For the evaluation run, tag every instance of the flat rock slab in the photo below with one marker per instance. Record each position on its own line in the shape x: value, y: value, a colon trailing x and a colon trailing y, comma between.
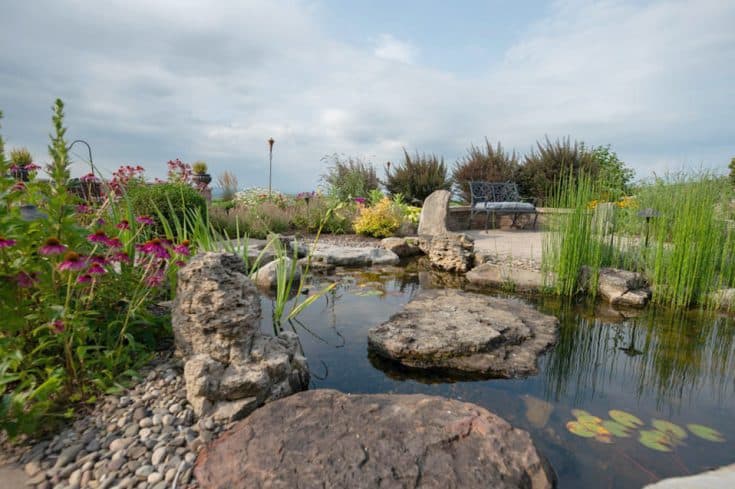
x: 324, y: 438
x: 493, y: 275
x: 345, y: 256
x: 466, y: 332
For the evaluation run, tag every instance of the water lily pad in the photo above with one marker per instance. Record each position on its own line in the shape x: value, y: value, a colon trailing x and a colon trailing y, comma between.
x: 706, y: 432
x: 671, y: 429
x: 615, y: 428
x: 579, y: 429
x: 604, y: 438
x: 655, y: 440
x: 626, y: 419
x: 589, y: 420
x: 580, y: 412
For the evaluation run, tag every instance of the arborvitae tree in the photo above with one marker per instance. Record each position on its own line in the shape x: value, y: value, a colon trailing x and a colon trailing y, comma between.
x: 732, y: 172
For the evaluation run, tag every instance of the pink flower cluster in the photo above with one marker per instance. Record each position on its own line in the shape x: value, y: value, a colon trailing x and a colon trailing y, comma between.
x: 178, y: 171
x: 123, y: 176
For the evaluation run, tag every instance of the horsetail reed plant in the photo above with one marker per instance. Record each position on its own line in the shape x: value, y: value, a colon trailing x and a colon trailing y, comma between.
x: 689, y: 253
x: 572, y: 242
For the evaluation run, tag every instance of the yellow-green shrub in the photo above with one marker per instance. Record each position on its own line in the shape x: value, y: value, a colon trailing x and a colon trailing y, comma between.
x: 380, y: 220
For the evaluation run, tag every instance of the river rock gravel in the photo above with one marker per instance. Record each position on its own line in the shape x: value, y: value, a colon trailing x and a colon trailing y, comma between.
x: 147, y: 437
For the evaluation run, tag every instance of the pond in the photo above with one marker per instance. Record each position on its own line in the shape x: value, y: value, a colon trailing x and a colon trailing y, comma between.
x: 676, y: 367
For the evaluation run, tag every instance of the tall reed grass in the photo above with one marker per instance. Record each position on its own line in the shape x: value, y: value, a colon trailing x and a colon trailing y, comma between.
x: 691, y: 239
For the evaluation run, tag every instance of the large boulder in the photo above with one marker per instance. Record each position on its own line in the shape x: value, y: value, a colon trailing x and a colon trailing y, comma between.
x: 230, y: 367
x: 324, y: 438
x: 451, y: 252
x: 346, y: 256
x: 466, y: 333
x: 433, y: 219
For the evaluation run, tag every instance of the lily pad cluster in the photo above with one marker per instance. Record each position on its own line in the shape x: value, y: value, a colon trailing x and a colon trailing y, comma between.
x: 663, y: 435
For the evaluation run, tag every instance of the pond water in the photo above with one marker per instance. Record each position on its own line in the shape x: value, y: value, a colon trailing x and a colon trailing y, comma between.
x: 659, y: 365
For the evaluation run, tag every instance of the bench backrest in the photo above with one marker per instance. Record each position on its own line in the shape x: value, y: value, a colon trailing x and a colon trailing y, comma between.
x: 494, y: 192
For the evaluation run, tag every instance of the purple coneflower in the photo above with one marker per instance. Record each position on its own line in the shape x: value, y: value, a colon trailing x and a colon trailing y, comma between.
x: 32, y: 167
x: 182, y: 248
x: 180, y: 263
x: 72, y: 262
x: 154, y: 247
x: 144, y: 220
x: 121, y: 256
x: 124, y: 224
x: 84, y: 209
x: 97, y: 260
x: 6, y: 242
x: 100, y: 222
x: 18, y: 187
x: 52, y: 246
x: 99, y: 236
x: 114, y: 243
x: 26, y: 279
x: 360, y: 200
x: 85, y: 278
x: 58, y: 326
x: 97, y: 269
x: 155, y: 279
x: 89, y: 177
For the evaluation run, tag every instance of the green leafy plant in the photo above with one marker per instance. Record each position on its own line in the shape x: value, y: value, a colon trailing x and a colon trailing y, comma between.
x: 614, y: 176
x: 489, y: 164
x: 167, y: 197
x: 75, y: 288
x: 415, y: 178
x: 546, y: 164
x: 732, y: 172
x: 20, y: 157
x: 349, y: 178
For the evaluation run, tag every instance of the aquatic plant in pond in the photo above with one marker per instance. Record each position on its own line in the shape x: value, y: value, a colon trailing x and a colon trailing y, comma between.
x: 683, y: 246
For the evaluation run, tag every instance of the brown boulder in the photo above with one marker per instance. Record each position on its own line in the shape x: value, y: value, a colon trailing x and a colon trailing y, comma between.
x: 324, y: 438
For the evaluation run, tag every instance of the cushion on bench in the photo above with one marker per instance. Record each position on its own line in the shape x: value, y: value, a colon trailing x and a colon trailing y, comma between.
x: 505, y: 206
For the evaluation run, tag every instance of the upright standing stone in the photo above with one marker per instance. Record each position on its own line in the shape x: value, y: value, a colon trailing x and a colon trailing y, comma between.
x: 230, y: 367
x: 433, y: 219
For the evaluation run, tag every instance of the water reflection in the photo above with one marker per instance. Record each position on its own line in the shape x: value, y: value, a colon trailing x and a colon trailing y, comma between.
x: 664, y: 355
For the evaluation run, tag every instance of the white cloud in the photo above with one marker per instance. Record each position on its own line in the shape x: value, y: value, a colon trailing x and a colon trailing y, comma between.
x: 392, y: 49
x: 149, y: 81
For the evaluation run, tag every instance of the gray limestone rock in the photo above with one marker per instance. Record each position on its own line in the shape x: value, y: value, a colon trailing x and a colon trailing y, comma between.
x: 434, y: 212
x: 465, y: 332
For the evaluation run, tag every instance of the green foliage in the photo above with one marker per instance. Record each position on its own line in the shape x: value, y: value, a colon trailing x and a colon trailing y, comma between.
x: 2, y: 149
x: 551, y: 161
x: 417, y: 177
x: 169, y: 198
x: 732, y: 171
x: 489, y: 164
x: 684, y: 250
x: 347, y: 179
x: 199, y: 167
x: 572, y: 242
x: 20, y: 157
x: 614, y: 176
x: 380, y: 221
x: 75, y: 289
x: 58, y: 149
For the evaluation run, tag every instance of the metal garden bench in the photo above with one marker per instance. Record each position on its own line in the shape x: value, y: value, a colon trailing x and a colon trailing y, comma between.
x: 499, y: 198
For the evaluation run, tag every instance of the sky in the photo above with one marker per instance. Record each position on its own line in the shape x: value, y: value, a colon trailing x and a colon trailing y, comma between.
x: 146, y: 81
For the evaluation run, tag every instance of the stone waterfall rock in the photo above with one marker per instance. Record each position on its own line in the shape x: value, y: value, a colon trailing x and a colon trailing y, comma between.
x: 621, y: 287
x: 230, y: 368
x: 451, y: 252
x: 465, y: 333
x: 324, y: 438
x: 403, y: 247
